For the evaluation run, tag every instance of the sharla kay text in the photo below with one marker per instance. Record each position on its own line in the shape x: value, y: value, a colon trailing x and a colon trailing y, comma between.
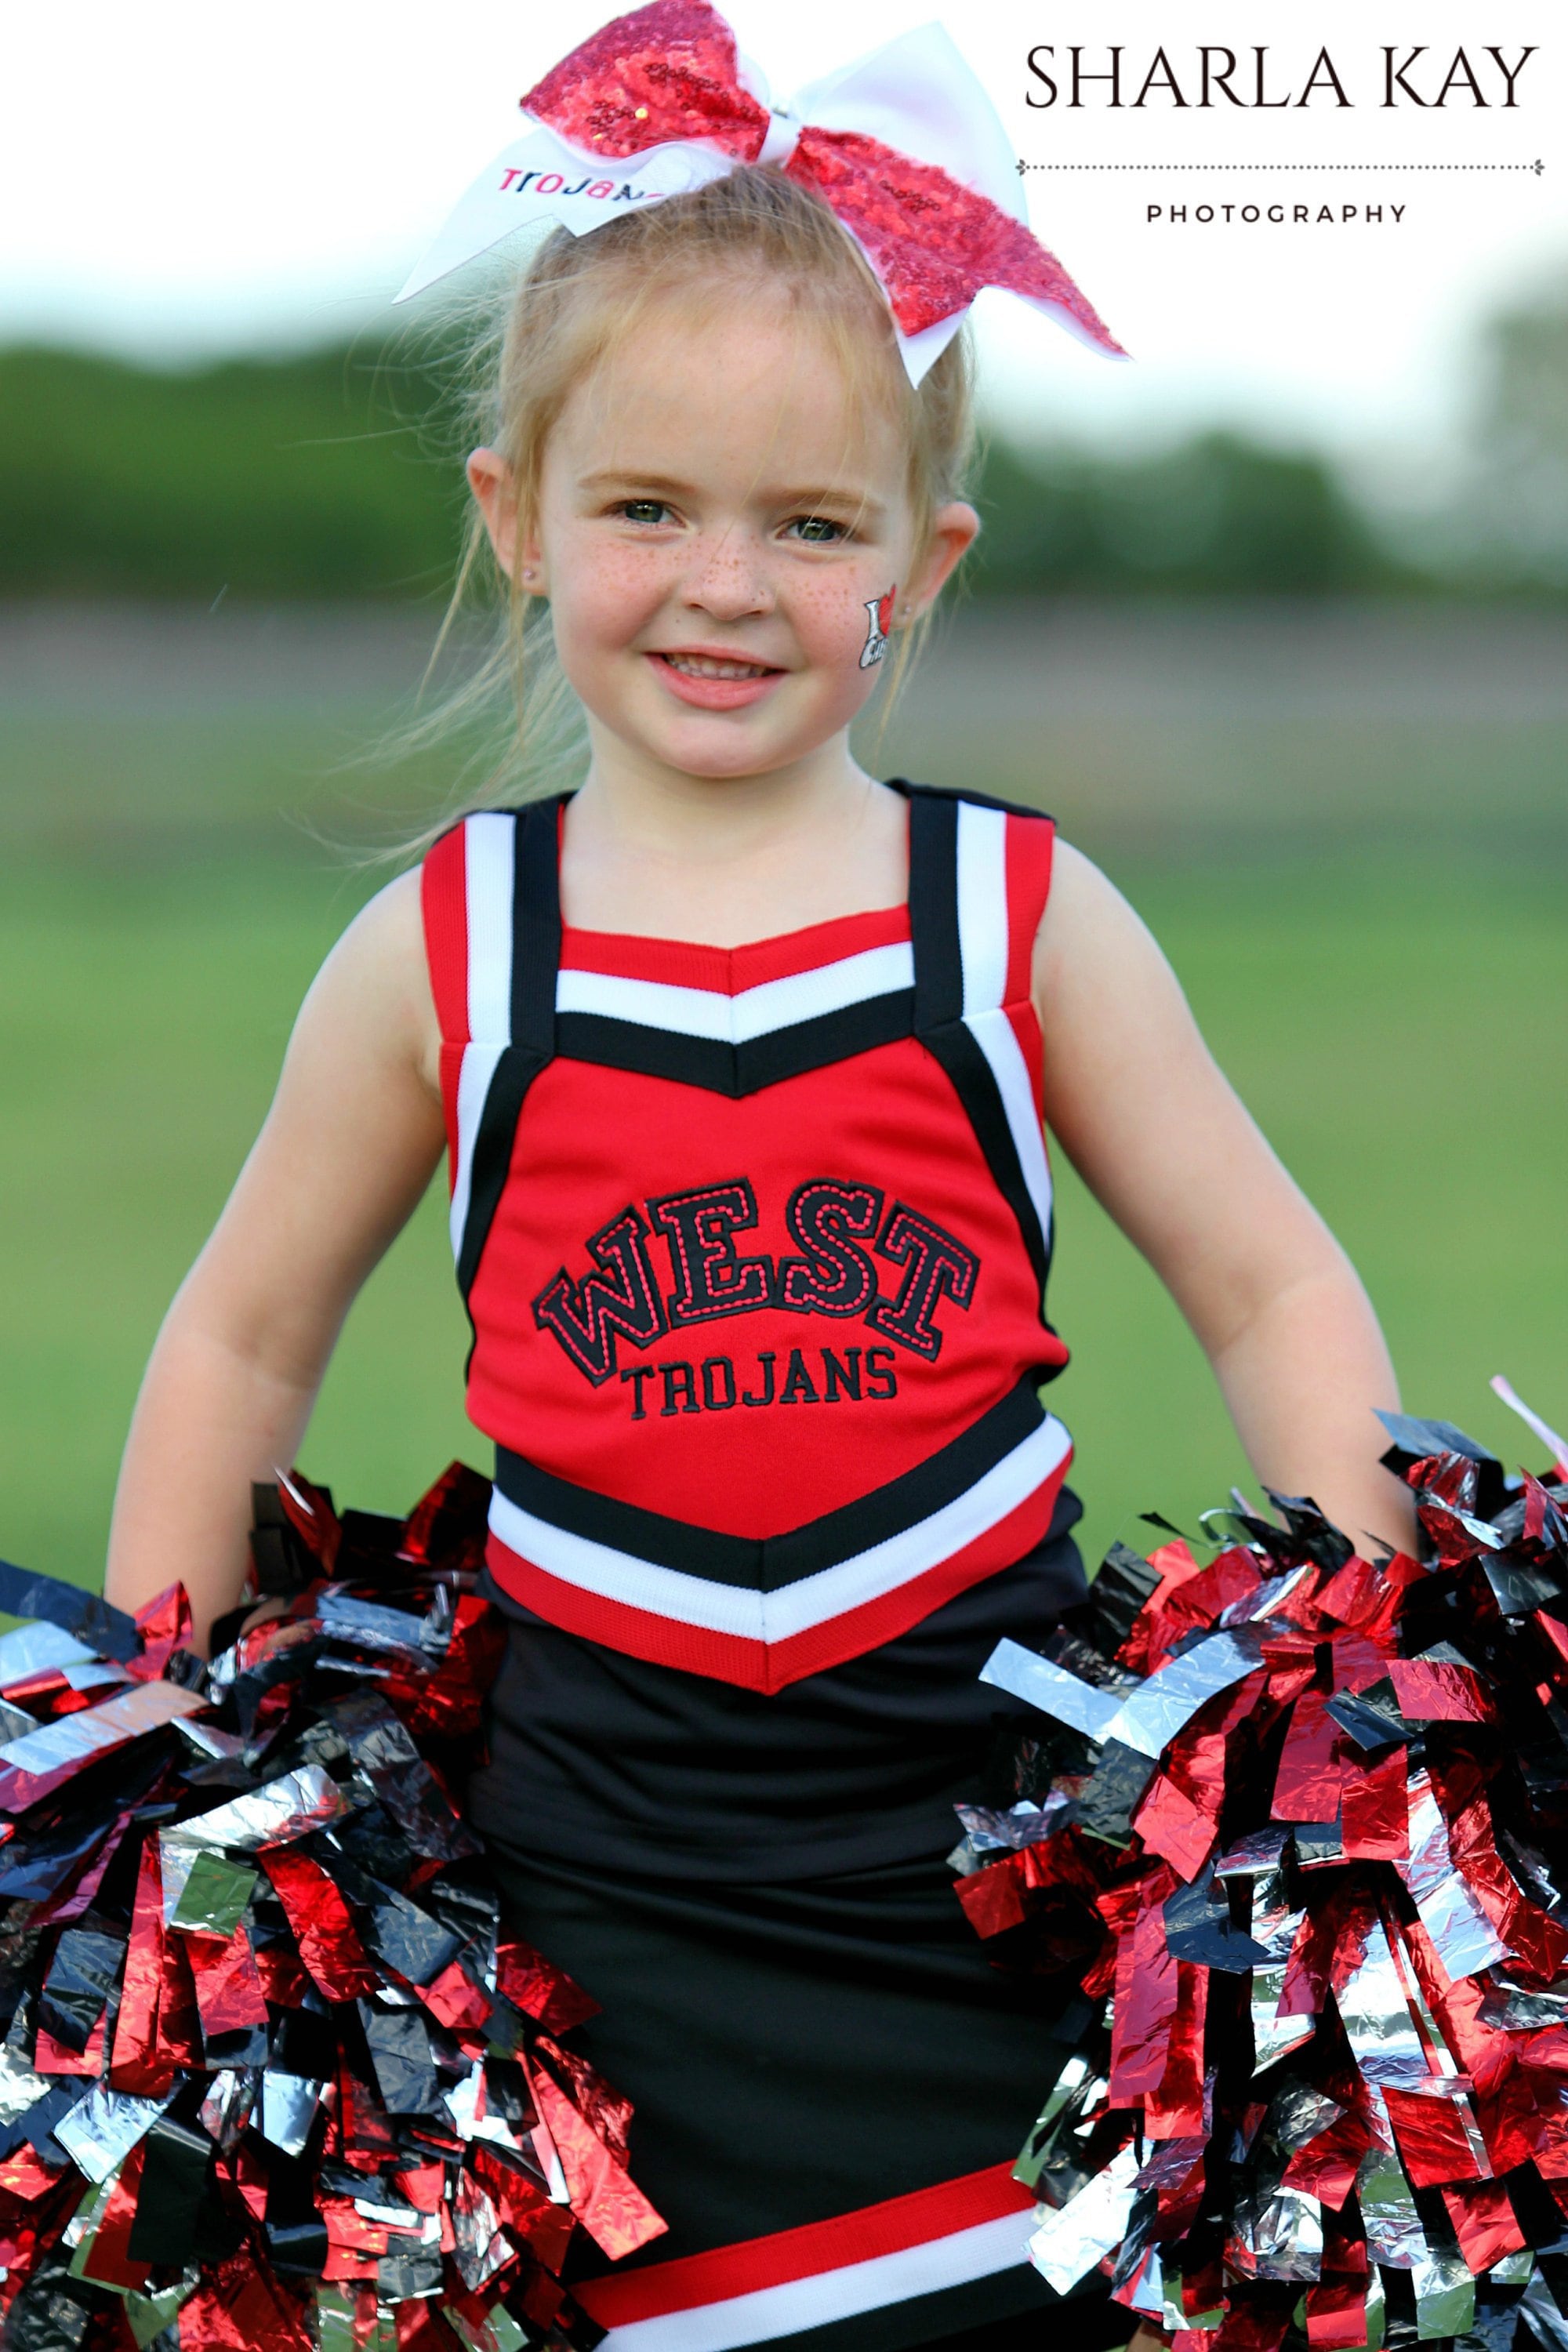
x: 1397, y: 74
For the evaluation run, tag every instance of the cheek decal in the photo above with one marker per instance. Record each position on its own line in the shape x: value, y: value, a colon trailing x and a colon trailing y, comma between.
x: 879, y: 621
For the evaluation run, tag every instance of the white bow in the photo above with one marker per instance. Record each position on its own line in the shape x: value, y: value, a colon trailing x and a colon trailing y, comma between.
x: 915, y: 94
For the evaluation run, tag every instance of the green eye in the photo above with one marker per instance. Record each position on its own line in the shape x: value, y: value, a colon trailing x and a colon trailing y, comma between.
x: 644, y: 510
x: 818, y: 531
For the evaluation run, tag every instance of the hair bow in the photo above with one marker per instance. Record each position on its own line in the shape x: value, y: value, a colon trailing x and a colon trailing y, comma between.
x: 905, y: 146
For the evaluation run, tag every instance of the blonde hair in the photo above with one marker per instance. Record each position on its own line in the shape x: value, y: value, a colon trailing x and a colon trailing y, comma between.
x: 580, y: 298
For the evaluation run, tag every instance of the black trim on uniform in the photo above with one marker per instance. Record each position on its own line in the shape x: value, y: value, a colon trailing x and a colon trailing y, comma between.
x: 975, y: 1083
x: 536, y: 926
x: 488, y: 1171
x: 940, y: 1025
x: 766, y: 1564
x: 933, y: 908
x: 724, y: 1069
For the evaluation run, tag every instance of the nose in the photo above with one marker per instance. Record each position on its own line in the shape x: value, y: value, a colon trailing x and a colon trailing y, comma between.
x: 728, y: 578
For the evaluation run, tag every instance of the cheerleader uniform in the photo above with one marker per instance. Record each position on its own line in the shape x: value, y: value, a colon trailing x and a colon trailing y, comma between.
x: 754, y: 1245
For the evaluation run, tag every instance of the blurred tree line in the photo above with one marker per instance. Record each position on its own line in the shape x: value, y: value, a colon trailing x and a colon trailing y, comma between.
x: 333, y: 473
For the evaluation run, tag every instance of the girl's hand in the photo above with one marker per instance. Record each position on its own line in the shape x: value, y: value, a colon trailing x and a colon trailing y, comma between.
x: 353, y: 1138
x: 1162, y: 1142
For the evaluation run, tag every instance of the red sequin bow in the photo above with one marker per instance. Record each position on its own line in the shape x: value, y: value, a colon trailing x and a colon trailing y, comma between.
x: 669, y: 72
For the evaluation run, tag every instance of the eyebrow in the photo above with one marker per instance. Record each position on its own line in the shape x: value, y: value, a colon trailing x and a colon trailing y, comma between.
x: 619, y: 477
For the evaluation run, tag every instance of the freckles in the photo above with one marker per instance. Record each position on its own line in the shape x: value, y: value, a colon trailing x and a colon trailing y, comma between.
x: 840, y: 620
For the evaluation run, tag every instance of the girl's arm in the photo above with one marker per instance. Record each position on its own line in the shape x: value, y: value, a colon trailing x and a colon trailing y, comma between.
x: 350, y: 1144
x: 1162, y: 1142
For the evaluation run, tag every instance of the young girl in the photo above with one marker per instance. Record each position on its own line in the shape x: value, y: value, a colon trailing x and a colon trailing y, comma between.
x: 738, y: 1055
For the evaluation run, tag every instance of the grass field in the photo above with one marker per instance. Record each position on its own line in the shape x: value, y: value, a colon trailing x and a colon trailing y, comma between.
x: 1390, y: 998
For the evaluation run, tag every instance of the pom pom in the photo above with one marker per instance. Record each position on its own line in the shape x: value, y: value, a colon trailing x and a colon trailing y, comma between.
x: 1301, y: 1819
x: 273, y: 2071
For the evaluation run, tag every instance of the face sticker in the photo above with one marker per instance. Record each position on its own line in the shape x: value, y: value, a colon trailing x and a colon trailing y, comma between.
x: 879, y: 621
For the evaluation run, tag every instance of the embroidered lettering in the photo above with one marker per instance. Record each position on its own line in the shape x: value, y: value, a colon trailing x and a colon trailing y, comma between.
x: 939, y: 1266
x: 836, y: 1275
x: 799, y: 1388
x: 679, y: 1391
x: 620, y: 1300
x: 711, y: 1278
x: 837, y: 1227
x: 856, y: 1374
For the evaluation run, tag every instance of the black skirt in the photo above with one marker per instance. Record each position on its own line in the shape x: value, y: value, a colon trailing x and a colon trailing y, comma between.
x: 831, y: 2079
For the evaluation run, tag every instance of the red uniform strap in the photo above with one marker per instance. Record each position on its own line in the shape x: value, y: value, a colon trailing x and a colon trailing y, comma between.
x: 1031, y: 842
x: 443, y: 892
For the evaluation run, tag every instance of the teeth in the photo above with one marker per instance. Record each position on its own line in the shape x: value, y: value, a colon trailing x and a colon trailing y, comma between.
x: 704, y: 666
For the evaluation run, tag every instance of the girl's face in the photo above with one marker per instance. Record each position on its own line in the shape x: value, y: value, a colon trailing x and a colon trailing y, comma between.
x: 717, y: 526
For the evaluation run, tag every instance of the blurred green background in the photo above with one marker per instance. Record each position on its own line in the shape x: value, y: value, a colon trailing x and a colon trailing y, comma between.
x: 1325, y: 757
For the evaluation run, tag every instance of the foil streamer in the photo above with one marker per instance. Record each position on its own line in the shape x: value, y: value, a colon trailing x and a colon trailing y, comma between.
x: 1439, y: 1686
x: 367, y: 1625
x: 20, y: 2088
x: 1484, y: 2222
x: 611, y: 2207
x: 404, y: 2064
x: 321, y: 1925
x: 1278, y: 2235
x: 288, y: 2103
x: 1066, y: 2243
x: 212, y: 1898
x: 1149, y: 1718
x: 1439, y: 2139
x: 1275, y: 1928
x: 227, y: 2106
x: 1312, y: 1776
x: 78, y: 1987
x: 105, y: 1629
x: 29, y: 1650
x: 1152, y: 1716
x: 1464, y: 1938
x: 1051, y: 1688
x: 1376, y: 2015
x: 1388, y: 2213
x: 1545, y: 2318
x: 384, y: 1751
x: 35, y: 1766
x: 1444, y: 2293
x: 288, y: 1808
x: 100, y: 2133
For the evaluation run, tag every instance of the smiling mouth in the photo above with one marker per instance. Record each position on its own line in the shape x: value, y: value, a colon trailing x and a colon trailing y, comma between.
x: 710, y: 665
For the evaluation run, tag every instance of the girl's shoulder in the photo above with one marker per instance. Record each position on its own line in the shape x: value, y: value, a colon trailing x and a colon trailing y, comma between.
x: 374, y: 990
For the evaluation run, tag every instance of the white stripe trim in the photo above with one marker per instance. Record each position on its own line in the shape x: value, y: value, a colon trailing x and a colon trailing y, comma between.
x: 754, y: 1011
x: 489, y: 852
x: 772, y: 2312
x: 983, y: 905
x: 998, y: 1041
x: 478, y: 1068
x: 770, y: 1617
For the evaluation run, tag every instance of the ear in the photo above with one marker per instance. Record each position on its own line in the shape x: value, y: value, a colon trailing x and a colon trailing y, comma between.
x: 494, y: 486
x: 955, y: 529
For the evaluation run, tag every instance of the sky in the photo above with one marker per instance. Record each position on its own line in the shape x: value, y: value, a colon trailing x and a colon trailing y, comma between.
x: 181, y: 179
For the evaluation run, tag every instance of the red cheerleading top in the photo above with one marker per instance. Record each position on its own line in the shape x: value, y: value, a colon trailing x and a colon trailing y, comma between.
x: 754, y: 1245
